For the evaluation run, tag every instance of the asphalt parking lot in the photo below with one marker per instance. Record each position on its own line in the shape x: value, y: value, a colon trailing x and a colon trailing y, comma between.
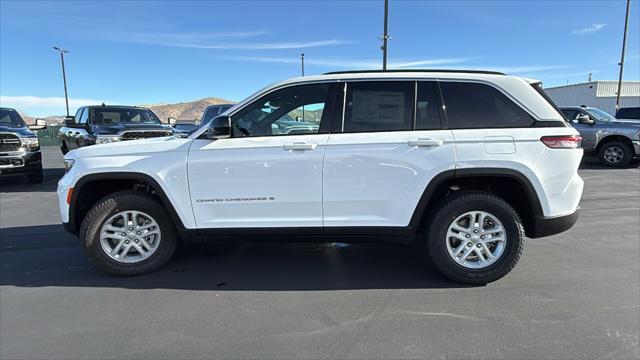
x: 574, y: 296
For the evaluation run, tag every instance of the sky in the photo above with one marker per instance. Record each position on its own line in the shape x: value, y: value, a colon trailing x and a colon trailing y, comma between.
x: 128, y: 52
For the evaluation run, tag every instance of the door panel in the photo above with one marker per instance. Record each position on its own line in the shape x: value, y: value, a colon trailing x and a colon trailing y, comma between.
x: 256, y: 182
x: 376, y: 179
x: 269, y: 173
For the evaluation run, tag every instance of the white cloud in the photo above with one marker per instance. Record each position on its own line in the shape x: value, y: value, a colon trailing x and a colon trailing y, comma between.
x: 219, y: 41
x: 43, y: 102
x: 520, y: 69
x: 348, y: 63
x: 589, y: 30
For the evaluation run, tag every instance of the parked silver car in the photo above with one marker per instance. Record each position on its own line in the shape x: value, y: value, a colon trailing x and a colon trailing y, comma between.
x: 614, y: 141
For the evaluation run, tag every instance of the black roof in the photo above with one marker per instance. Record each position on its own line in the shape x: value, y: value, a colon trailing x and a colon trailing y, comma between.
x: 116, y: 106
x: 416, y: 70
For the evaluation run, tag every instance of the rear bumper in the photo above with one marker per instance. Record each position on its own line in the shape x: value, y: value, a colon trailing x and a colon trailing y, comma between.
x: 547, y: 226
x: 636, y: 147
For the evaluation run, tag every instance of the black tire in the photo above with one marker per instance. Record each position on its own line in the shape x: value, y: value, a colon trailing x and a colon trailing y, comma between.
x: 36, y: 177
x: 458, y: 204
x: 64, y: 148
x: 627, y: 153
x: 111, y: 205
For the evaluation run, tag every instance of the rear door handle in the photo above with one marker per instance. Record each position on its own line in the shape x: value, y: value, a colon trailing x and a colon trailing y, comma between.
x: 299, y: 146
x: 425, y: 142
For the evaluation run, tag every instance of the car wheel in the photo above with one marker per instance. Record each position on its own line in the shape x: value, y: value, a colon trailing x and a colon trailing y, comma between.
x: 64, y: 148
x: 615, y: 153
x: 128, y: 233
x: 36, y: 177
x: 475, y: 238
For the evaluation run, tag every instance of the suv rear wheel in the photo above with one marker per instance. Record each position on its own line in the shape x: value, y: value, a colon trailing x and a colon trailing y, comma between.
x: 128, y: 233
x: 616, y: 153
x: 475, y: 238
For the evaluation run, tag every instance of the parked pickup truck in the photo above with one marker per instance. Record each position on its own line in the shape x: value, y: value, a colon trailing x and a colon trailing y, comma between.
x: 103, y: 124
x: 19, y: 146
x: 614, y: 141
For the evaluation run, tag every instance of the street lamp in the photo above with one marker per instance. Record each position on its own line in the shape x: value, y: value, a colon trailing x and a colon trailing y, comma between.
x: 64, y: 76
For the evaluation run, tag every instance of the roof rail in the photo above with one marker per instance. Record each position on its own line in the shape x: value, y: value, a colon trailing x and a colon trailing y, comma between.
x: 415, y: 70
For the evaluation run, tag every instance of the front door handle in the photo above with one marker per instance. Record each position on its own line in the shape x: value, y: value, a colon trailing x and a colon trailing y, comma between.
x: 425, y: 142
x: 299, y: 146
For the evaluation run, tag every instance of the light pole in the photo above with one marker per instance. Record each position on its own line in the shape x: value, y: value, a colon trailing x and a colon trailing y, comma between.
x: 385, y: 37
x: 64, y: 76
x: 624, y: 45
x: 302, y: 64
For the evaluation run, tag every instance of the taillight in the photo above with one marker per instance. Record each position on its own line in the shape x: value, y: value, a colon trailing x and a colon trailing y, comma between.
x: 562, y: 141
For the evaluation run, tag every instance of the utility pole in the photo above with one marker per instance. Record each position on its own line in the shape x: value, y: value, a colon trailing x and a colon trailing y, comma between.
x: 64, y: 76
x: 302, y: 63
x: 385, y: 37
x: 624, y: 45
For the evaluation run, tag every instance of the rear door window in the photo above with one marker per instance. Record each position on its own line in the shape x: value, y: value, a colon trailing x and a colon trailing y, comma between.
x: 475, y: 105
x: 379, y: 106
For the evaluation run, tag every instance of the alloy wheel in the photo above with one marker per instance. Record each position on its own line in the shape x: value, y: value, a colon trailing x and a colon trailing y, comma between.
x: 130, y: 236
x: 476, y: 239
x: 613, y: 154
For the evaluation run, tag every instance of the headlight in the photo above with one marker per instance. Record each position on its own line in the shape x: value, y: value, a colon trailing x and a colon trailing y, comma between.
x: 105, y: 139
x: 30, y: 143
x: 68, y: 164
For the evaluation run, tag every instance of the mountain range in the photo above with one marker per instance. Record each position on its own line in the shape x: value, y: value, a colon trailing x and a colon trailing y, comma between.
x: 190, y: 110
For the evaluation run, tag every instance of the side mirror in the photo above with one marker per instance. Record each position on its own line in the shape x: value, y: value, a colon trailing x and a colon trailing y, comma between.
x: 39, y: 125
x: 585, y: 119
x: 219, y: 128
x: 70, y: 121
x: 172, y: 121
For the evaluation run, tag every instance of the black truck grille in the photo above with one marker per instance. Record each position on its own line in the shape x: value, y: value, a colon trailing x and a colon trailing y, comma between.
x: 9, y: 143
x: 133, y: 135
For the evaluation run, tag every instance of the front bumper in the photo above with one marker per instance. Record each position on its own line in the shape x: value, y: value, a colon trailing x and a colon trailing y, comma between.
x: 547, y: 226
x: 20, y: 162
x: 636, y: 147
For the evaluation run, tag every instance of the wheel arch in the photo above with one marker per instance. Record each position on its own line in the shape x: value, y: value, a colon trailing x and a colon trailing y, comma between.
x: 613, y: 137
x: 80, y: 203
x: 481, y: 179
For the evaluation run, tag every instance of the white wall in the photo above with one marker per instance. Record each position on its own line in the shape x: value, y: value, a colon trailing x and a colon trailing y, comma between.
x: 585, y: 94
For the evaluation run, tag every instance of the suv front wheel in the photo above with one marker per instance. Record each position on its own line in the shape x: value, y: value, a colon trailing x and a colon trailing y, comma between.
x: 128, y: 233
x: 475, y: 238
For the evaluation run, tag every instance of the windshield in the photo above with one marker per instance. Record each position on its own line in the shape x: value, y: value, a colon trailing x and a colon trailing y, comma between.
x: 114, y: 116
x: 10, y: 118
x: 600, y: 115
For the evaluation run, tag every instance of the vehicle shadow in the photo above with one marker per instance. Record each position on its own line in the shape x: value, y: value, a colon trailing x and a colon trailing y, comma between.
x: 19, y: 183
x: 45, y: 255
x: 593, y: 163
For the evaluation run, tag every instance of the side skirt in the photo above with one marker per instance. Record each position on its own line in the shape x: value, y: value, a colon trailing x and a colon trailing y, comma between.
x: 386, y: 235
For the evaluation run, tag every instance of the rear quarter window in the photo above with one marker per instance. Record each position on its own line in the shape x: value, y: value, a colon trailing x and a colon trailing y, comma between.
x: 475, y: 105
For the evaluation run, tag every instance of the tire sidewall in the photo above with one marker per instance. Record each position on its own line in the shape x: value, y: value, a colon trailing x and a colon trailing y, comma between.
x: 106, y: 208
x: 513, y: 247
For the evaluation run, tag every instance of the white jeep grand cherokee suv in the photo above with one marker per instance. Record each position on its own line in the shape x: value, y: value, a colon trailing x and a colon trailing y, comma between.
x: 467, y: 161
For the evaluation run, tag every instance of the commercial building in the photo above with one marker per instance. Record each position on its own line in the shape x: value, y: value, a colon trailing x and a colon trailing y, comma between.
x: 599, y: 94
